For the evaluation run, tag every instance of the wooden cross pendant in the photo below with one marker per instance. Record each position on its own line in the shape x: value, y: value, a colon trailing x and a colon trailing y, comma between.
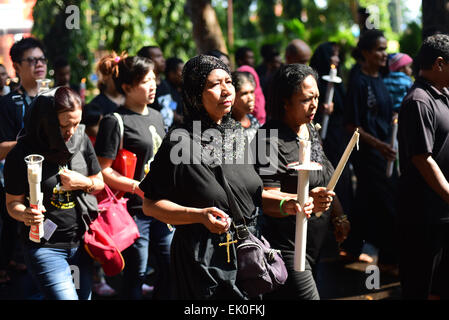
x: 227, y: 244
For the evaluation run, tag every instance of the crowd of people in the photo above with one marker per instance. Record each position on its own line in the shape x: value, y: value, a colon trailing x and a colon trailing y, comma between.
x: 191, y: 125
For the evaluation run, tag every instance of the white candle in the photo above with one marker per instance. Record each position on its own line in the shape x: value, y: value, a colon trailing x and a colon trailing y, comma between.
x: 329, y: 97
x: 393, y: 144
x: 302, y: 196
x: 341, y: 164
x: 34, y: 172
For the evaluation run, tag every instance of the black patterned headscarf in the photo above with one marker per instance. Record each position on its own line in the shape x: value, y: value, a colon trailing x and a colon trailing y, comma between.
x: 194, y: 75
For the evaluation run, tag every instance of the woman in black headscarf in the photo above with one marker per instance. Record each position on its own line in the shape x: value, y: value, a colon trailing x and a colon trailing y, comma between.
x: 185, y: 185
x: 70, y: 173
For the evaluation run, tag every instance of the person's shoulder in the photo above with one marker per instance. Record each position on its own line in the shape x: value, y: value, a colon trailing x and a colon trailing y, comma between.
x: 98, y: 98
x: 9, y: 99
x: 418, y: 93
x: 17, y: 153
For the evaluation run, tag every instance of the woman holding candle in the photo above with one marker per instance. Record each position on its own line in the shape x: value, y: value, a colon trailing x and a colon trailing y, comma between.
x: 292, y: 107
x: 369, y: 108
x: 70, y: 174
x: 185, y: 186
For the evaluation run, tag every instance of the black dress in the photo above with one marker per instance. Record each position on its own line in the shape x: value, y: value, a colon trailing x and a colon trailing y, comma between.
x: 280, y: 232
x: 199, y: 268
x: 368, y: 105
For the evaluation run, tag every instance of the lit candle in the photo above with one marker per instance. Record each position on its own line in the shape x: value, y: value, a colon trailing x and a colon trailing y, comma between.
x: 393, y: 143
x: 331, y: 79
x: 302, y: 196
x: 342, y: 163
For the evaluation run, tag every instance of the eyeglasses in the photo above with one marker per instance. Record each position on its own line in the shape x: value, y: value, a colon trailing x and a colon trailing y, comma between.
x: 33, y: 61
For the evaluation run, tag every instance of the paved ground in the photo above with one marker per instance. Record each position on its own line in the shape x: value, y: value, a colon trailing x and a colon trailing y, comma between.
x: 337, y: 280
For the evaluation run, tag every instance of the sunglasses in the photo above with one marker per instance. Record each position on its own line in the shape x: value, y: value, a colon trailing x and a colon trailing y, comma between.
x: 33, y: 61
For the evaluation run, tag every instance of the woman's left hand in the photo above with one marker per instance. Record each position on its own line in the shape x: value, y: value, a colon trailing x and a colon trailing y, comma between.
x: 72, y: 180
x: 322, y: 198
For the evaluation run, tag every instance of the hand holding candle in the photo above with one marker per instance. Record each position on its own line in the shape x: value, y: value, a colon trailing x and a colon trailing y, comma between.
x: 34, y: 170
x: 305, y: 165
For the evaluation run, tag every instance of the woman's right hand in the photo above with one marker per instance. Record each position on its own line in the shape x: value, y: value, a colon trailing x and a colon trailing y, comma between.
x: 292, y: 207
x: 216, y: 220
x: 32, y: 217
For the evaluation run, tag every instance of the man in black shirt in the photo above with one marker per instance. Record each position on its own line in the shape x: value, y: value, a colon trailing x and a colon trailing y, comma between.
x: 424, y: 188
x: 30, y: 64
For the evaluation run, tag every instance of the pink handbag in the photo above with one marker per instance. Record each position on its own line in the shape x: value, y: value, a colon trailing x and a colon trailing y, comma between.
x: 113, y: 231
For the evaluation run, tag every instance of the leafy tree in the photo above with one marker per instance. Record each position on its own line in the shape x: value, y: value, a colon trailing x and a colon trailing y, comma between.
x: 207, y: 31
x: 171, y: 28
x: 411, y: 39
x: 50, y: 19
x: 120, y: 24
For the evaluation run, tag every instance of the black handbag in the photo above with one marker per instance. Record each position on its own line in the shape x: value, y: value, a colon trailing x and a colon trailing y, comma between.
x: 260, y: 268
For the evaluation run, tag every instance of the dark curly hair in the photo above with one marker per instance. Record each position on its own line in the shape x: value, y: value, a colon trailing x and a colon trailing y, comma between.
x: 18, y: 48
x: 286, y: 82
x: 433, y: 47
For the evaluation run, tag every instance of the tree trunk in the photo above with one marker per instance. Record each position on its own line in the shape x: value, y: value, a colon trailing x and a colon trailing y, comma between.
x: 206, y: 29
x: 435, y: 17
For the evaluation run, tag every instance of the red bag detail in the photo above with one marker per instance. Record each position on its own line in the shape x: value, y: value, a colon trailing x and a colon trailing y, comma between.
x: 99, y: 246
x: 124, y: 163
x: 113, y: 231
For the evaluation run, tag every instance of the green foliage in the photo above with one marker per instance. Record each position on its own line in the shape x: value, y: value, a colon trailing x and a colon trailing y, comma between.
x: 120, y: 24
x: 411, y: 39
x: 73, y: 44
x: 172, y: 28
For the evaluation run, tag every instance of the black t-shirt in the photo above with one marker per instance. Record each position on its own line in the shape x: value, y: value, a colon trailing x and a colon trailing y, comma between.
x: 274, y: 172
x: 13, y: 108
x: 423, y: 129
x: 106, y: 105
x: 59, y: 205
x: 198, y: 267
x: 142, y: 135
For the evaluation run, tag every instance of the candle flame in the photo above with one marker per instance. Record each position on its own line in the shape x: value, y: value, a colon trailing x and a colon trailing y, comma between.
x: 333, y: 66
